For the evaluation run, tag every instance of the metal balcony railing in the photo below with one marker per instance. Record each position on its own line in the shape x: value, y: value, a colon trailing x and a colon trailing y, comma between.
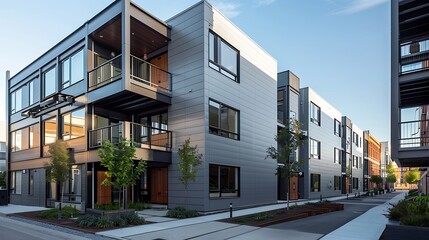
x: 106, y: 72
x: 414, y: 134
x: 143, y: 136
x: 149, y: 74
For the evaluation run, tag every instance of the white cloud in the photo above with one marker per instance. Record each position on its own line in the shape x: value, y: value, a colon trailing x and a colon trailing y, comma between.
x: 230, y: 10
x: 356, y: 6
x: 260, y: 3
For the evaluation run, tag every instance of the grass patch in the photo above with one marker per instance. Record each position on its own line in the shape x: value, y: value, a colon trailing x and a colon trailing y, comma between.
x: 66, y: 212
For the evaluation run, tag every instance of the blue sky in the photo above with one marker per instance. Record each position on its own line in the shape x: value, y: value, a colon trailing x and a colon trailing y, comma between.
x: 340, y: 48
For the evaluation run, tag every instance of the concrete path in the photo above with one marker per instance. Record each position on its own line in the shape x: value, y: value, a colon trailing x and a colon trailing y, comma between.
x: 11, y: 229
x: 11, y: 209
x: 369, y: 225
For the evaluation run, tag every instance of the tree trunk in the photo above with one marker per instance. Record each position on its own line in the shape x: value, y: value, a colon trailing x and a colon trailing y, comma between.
x: 62, y: 200
x: 186, y: 196
x: 287, y: 192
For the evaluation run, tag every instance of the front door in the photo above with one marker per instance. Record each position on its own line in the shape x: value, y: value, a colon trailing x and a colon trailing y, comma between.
x: 159, y: 185
x: 293, y: 186
x: 104, y: 193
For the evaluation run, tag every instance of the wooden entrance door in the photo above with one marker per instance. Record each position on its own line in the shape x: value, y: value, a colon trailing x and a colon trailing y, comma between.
x: 293, y: 186
x: 104, y: 193
x: 160, y: 77
x: 347, y: 185
x: 159, y: 185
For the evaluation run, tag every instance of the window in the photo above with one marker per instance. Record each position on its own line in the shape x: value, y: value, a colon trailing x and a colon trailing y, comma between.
x: 337, y: 183
x: 16, y: 182
x: 50, y: 131
x: 280, y: 106
x: 360, y: 162
x: 32, y: 91
x: 72, y: 69
x: 348, y: 139
x: 315, y: 113
x: 49, y: 83
x: 355, y: 183
x: 356, y: 139
x: 34, y: 136
x: 73, y: 188
x: 314, y: 149
x: 337, y: 155
x: 16, y: 101
x: 223, y: 120
x: 315, y: 182
x: 224, y: 181
x: 74, y: 124
x: 223, y: 57
x: 31, y: 182
x: 25, y: 138
x: 159, y: 121
x: 337, y: 128
x: 16, y: 141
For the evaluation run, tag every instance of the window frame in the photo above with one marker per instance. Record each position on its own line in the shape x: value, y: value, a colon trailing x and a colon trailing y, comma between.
x: 219, y: 182
x: 219, y: 131
x: 337, y: 187
x: 70, y: 114
x: 312, y: 155
x: 339, y: 159
x: 312, y: 187
x: 53, y: 68
x: 69, y: 58
x: 14, y: 184
x: 216, y: 63
x: 337, y: 123
x: 315, y: 119
x: 44, y: 130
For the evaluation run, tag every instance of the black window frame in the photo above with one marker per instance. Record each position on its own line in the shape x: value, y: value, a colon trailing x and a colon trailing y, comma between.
x: 63, y: 133
x: 218, y: 130
x: 337, y: 124
x: 44, y: 130
x: 219, y: 189
x: 312, y: 187
x: 69, y: 58
x: 337, y: 183
x: 314, y: 120
x: 216, y: 63
x: 54, y: 68
x: 339, y: 154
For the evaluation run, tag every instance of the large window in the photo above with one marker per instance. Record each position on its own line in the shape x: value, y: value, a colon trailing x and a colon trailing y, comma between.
x: 314, y: 149
x: 159, y: 121
x: 337, y: 155
x: 32, y: 94
x: 337, y: 183
x: 16, y: 182
x: 223, y: 57
x: 224, y: 181
x: 280, y: 106
x: 49, y: 83
x: 355, y: 183
x: 72, y: 69
x: 337, y: 128
x: 16, y: 101
x: 50, y: 131
x: 315, y: 182
x: 223, y: 120
x: 25, y: 138
x: 74, y: 124
x: 315, y: 113
x: 73, y: 188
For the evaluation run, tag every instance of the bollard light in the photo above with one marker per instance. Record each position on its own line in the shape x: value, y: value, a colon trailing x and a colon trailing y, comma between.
x: 230, y: 210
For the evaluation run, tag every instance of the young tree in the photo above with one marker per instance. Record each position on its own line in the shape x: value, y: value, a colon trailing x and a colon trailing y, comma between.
x: 288, y: 140
x: 377, y: 180
x: 59, y: 167
x: 119, y: 161
x: 411, y: 177
x: 390, y: 169
x: 189, y: 160
x: 391, y: 178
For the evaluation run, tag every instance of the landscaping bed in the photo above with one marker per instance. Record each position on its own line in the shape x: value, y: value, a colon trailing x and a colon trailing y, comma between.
x: 89, y: 223
x: 283, y: 215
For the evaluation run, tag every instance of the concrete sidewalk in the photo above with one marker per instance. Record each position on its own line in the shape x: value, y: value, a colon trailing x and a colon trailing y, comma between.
x: 11, y: 209
x: 369, y: 225
x: 178, y: 224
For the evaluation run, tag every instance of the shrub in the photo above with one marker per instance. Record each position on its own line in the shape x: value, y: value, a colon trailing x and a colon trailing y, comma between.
x: 398, y: 211
x: 104, y: 222
x: 118, y: 221
x: 67, y: 212
x: 107, y: 207
x: 181, y: 212
x: 261, y: 216
x: 87, y: 221
x: 416, y: 220
x: 138, y: 206
x: 133, y: 218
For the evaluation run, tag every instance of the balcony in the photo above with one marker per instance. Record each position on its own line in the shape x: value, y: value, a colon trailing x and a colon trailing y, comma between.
x: 414, y: 134
x: 149, y: 74
x: 105, y: 73
x: 145, y: 137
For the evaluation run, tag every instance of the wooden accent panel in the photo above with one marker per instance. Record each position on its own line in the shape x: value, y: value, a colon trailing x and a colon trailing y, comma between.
x: 104, y: 193
x: 159, y: 185
x: 293, y: 186
x: 160, y: 77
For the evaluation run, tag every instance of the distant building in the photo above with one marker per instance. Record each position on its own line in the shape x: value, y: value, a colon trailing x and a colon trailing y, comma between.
x: 373, y: 157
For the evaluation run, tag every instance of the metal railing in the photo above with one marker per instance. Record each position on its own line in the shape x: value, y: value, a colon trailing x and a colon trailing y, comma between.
x: 106, y: 72
x: 143, y: 136
x: 414, y: 134
x: 111, y: 133
x: 149, y: 74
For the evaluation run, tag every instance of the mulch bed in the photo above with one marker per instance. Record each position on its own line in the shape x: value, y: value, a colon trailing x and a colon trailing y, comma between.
x: 282, y: 215
x: 67, y: 223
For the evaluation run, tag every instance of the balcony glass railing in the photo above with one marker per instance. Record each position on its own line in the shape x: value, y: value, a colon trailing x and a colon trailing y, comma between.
x: 149, y: 74
x: 414, y: 134
x: 143, y: 136
x: 414, y: 48
x: 106, y: 72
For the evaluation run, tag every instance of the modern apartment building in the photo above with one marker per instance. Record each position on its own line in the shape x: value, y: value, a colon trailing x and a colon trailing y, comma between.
x: 3, y: 157
x: 386, y: 158
x: 288, y: 106
x: 410, y: 82
x: 125, y: 73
